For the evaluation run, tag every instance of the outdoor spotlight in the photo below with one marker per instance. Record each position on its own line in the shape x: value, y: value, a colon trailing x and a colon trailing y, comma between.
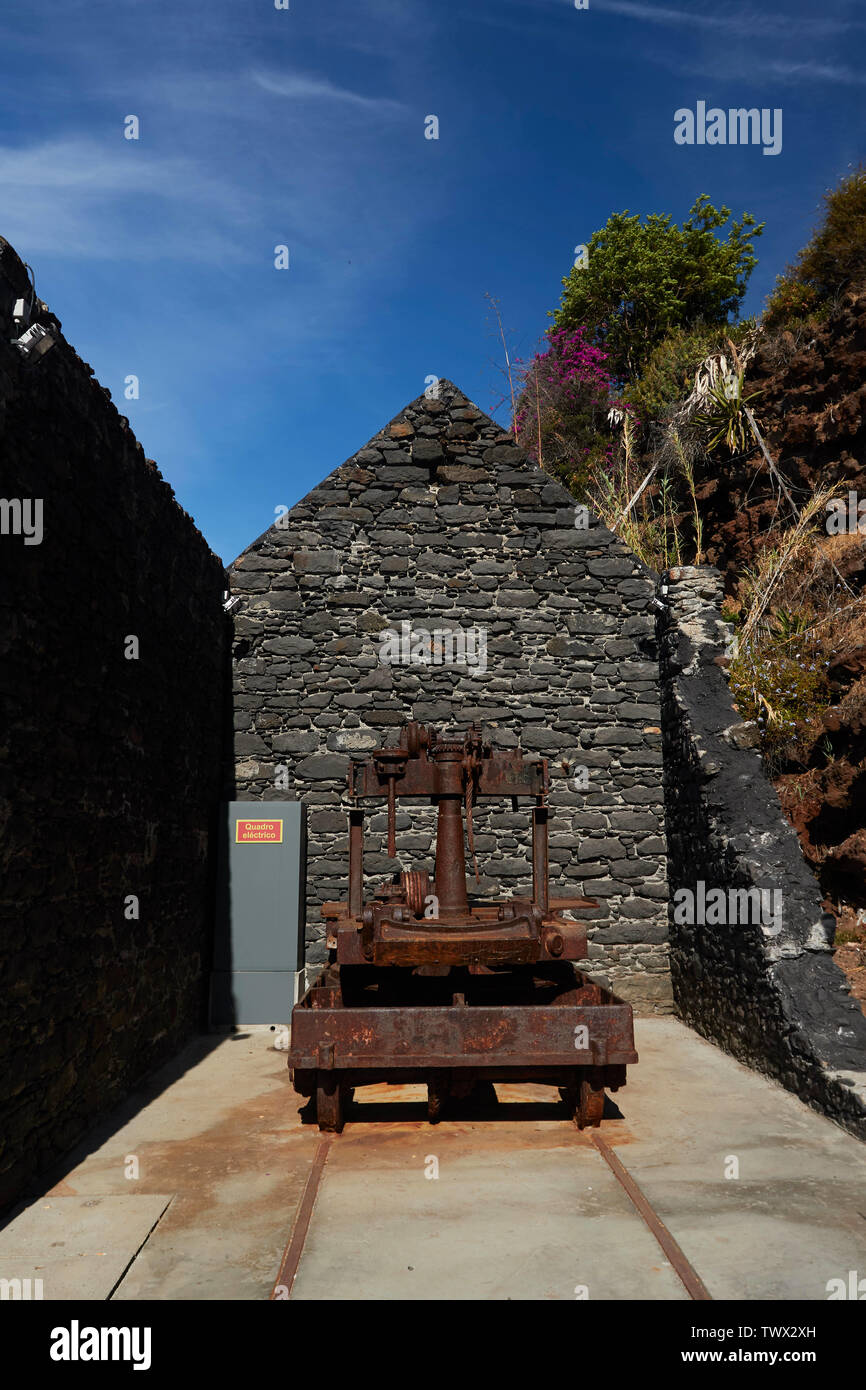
x: 659, y: 599
x: 36, y: 341
x: 21, y: 314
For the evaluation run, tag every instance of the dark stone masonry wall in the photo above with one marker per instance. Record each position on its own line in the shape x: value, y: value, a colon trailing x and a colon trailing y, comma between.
x: 109, y: 768
x: 441, y: 521
x: 769, y: 993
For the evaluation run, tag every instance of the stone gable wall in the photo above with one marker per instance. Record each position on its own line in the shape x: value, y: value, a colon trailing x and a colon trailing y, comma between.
x: 440, y: 521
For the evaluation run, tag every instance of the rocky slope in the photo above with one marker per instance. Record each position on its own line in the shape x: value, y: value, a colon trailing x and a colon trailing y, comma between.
x: 812, y: 410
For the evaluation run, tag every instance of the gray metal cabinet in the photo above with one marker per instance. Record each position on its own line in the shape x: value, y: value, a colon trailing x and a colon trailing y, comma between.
x: 260, y: 912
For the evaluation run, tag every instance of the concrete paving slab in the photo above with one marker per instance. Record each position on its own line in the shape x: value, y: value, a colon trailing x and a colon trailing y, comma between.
x: 792, y: 1218
x: 524, y: 1206
x: 225, y: 1139
x: 519, y: 1210
x: 79, y: 1247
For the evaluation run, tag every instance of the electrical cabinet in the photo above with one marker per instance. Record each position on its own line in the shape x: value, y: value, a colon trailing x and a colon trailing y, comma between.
x: 261, y: 910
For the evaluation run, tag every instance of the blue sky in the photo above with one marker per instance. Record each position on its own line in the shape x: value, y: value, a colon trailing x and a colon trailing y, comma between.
x: 305, y: 127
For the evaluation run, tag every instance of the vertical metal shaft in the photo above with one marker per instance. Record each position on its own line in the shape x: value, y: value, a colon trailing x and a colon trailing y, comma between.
x: 392, y: 817
x: 356, y: 862
x: 450, y: 858
x: 540, y: 863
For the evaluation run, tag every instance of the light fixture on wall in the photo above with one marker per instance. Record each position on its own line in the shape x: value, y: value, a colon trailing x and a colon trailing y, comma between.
x: 660, y: 597
x: 36, y: 339
x: 35, y: 342
x: 21, y: 313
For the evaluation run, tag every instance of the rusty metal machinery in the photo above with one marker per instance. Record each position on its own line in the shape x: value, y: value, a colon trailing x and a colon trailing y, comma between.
x: 425, y: 984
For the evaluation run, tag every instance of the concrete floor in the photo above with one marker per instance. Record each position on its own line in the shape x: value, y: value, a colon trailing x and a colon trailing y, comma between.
x: 524, y: 1206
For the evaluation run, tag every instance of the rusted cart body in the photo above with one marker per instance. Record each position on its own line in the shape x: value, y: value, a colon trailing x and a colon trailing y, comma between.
x: 423, y: 984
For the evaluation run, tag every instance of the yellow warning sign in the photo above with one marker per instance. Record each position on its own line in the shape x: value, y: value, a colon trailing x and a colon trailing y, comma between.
x: 259, y: 832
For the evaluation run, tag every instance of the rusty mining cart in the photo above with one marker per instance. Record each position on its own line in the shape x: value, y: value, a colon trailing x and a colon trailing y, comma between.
x: 425, y: 986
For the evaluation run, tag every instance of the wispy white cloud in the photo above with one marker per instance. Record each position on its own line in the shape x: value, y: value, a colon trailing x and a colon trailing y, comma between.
x: 301, y: 87
x: 209, y: 181
x: 817, y: 72
x: 672, y: 18
x: 79, y: 197
x: 715, y: 19
x: 727, y: 19
x: 218, y: 94
x: 230, y: 165
x: 84, y: 164
x: 753, y: 68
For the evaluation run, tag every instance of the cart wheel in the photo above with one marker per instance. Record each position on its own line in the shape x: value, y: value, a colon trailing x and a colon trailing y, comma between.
x: 589, y: 1106
x: 329, y: 1102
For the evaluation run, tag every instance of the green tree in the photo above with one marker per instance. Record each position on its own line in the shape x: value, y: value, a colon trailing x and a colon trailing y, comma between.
x: 834, y: 259
x: 644, y: 278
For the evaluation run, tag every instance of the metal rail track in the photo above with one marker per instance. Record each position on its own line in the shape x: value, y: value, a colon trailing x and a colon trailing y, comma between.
x: 292, y: 1255
x: 673, y: 1253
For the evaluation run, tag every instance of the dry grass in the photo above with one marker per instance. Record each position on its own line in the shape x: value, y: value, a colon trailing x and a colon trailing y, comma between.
x: 767, y: 582
x: 801, y: 618
x: 807, y: 580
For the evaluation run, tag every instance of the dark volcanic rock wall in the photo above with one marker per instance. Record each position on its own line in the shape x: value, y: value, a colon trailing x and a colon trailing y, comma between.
x: 441, y: 522
x: 109, y: 768
x: 769, y: 992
